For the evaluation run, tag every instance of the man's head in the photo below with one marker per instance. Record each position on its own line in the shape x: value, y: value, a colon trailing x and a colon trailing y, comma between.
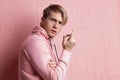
x: 54, y: 17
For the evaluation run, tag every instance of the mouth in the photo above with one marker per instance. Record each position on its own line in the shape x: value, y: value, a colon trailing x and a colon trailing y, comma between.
x: 53, y: 31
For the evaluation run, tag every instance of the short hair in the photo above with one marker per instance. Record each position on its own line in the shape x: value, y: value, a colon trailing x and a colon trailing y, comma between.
x: 55, y: 8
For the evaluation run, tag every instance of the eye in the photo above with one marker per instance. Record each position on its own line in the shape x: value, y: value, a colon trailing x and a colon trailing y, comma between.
x: 60, y: 22
x: 52, y: 19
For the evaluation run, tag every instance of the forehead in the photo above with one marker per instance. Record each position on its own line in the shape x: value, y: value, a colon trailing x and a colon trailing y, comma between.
x: 56, y: 15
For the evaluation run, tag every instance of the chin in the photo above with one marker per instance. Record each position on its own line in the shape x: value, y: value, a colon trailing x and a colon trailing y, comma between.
x: 52, y: 35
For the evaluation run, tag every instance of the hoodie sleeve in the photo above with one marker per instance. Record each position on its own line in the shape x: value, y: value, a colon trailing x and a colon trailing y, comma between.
x: 39, y: 55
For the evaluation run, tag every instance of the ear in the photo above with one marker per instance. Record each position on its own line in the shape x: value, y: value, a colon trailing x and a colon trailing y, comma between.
x: 42, y: 21
x: 42, y: 18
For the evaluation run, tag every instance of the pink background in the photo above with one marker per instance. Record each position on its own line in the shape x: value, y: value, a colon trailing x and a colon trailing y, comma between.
x: 96, y: 55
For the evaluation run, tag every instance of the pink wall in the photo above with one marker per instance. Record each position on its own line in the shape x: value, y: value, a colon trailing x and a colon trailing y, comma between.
x: 96, y: 55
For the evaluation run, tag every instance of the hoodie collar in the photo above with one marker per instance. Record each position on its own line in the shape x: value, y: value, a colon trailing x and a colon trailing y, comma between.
x: 40, y: 31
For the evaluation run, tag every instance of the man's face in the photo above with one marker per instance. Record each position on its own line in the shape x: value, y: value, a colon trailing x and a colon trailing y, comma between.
x: 52, y: 24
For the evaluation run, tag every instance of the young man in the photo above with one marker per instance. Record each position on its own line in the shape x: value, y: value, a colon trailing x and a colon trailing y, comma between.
x: 38, y: 59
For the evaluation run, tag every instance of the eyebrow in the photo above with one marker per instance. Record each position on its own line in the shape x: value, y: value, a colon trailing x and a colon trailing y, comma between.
x: 55, y: 20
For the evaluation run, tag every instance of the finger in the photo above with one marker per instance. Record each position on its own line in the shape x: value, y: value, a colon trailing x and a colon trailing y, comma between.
x: 72, y: 33
x: 52, y: 63
x: 64, y: 39
x: 52, y: 59
x: 68, y: 35
x: 52, y: 66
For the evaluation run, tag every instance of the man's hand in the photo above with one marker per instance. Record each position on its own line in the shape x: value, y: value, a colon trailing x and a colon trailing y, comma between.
x: 68, y: 42
x: 52, y: 63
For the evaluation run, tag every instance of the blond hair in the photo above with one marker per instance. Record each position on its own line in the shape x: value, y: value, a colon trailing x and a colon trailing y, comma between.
x: 55, y: 8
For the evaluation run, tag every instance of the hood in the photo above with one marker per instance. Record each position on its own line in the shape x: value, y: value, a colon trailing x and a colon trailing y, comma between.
x: 40, y: 31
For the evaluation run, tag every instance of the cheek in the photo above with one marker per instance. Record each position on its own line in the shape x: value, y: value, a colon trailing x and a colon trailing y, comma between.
x: 47, y: 26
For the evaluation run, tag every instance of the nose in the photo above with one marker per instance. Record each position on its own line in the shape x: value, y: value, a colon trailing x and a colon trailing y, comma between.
x: 55, y: 25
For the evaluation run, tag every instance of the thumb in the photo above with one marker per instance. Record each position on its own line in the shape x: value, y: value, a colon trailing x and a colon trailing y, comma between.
x: 64, y: 39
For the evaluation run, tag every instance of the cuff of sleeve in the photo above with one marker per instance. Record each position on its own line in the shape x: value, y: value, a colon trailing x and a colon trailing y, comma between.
x: 66, y: 55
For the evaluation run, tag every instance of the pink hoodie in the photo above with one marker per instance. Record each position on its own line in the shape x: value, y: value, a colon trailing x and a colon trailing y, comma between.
x: 35, y: 55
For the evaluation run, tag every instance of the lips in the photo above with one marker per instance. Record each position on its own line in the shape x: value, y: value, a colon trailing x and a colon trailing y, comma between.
x: 53, y: 31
